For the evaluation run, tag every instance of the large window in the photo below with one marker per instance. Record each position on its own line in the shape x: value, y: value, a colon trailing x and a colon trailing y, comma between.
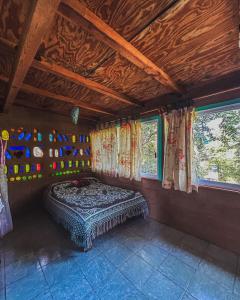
x: 150, y: 148
x: 217, y: 146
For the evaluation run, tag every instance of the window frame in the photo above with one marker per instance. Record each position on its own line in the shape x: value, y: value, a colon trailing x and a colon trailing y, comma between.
x: 159, y: 150
x: 220, y: 106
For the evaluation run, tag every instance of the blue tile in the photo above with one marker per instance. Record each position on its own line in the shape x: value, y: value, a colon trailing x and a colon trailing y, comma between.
x: 237, y: 285
x: 85, y: 257
x: 98, y: 270
x: 135, y: 243
x: 159, y: 287
x: 204, y: 288
x: 118, y: 287
x: 177, y: 271
x: 105, y: 242
x: 188, y: 297
x: 136, y: 270
x: 187, y: 255
x: 222, y: 274
x: 46, y: 295
x: 223, y: 256
x: 168, y: 239
x: 118, y: 255
x: 47, y: 255
x: 153, y: 255
x: 91, y: 296
x: 73, y: 287
x: 2, y: 294
x: 60, y: 270
x: 27, y: 288
x: 21, y: 268
x: 194, y: 243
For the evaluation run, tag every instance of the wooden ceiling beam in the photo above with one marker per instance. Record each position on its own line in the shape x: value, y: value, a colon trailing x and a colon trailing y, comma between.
x: 37, y: 91
x: 37, y: 24
x: 78, y: 79
x: 103, y: 32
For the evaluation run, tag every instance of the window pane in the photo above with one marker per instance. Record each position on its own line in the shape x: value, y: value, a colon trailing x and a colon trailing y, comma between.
x: 149, y: 148
x: 217, y: 146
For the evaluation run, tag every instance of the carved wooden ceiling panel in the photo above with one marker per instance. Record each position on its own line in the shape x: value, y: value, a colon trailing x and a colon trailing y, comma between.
x: 203, y: 35
x: 121, y: 75
x: 39, y: 102
x: 127, y: 17
x: 13, y: 15
x: 61, y: 86
x: 193, y: 41
x: 70, y: 46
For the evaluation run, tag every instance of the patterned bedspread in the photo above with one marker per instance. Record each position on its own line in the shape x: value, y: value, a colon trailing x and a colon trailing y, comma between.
x: 92, y: 209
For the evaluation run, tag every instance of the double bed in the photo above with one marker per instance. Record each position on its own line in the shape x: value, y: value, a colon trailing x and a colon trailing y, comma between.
x: 87, y: 207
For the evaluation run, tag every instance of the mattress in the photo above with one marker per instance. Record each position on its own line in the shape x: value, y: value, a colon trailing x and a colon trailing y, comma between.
x: 87, y: 208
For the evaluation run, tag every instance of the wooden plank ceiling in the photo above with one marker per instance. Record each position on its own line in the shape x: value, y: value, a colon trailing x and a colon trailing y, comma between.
x: 107, y: 56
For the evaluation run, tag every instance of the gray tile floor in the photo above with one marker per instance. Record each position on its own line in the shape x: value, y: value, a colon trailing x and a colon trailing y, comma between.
x: 140, y: 259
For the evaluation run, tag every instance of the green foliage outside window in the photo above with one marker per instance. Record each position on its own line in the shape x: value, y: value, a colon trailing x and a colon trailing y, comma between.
x: 217, y: 145
x: 149, y: 148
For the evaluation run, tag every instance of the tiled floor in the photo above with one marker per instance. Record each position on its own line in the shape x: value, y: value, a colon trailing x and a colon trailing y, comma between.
x: 141, y: 259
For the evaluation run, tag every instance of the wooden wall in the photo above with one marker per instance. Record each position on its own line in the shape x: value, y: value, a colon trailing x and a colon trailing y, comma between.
x: 25, y: 194
x: 211, y: 214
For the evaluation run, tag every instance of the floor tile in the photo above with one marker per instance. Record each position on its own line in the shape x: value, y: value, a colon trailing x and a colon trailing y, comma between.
x: 60, y: 270
x: 2, y: 294
x: 159, y: 287
x: 204, y: 288
x: 135, y: 243
x: 237, y: 286
x: 140, y: 259
x: 187, y: 255
x: 188, y: 297
x: 218, y: 272
x: 27, y: 288
x: 73, y: 287
x: 136, y: 270
x: 23, y: 267
x: 47, y: 255
x: 91, y: 296
x: 153, y: 255
x: 118, y: 255
x: 194, y: 243
x: 98, y: 270
x: 118, y: 287
x: 177, y: 271
x: 223, y: 256
x: 46, y: 295
x: 85, y: 257
x: 105, y: 242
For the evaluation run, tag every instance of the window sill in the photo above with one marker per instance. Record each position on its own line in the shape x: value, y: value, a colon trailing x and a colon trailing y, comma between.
x: 220, y: 186
x: 150, y: 177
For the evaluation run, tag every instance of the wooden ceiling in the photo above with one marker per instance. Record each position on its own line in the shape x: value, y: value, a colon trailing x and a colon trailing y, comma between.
x: 109, y: 56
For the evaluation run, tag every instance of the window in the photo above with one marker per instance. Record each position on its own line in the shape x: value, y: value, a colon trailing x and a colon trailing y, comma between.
x: 150, y: 163
x: 217, y: 146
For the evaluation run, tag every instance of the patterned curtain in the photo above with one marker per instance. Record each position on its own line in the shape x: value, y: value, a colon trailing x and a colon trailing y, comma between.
x: 129, y: 157
x: 104, y: 151
x: 178, y: 150
x: 5, y: 214
x: 124, y: 151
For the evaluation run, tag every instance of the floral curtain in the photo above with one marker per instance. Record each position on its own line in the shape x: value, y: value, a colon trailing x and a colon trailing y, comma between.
x: 178, y: 150
x: 117, y: 150
x: 129, y: 157
x: 104, y: 151
x: 5, y: 214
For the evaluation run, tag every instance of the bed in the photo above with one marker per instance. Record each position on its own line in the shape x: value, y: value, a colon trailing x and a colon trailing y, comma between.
x: 88, y: 208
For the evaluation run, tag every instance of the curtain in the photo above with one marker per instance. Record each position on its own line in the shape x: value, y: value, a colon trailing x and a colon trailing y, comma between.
x: 178, y: 150
x: 129, y: 157
x: 104, y: 151
x: 5, y: 214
